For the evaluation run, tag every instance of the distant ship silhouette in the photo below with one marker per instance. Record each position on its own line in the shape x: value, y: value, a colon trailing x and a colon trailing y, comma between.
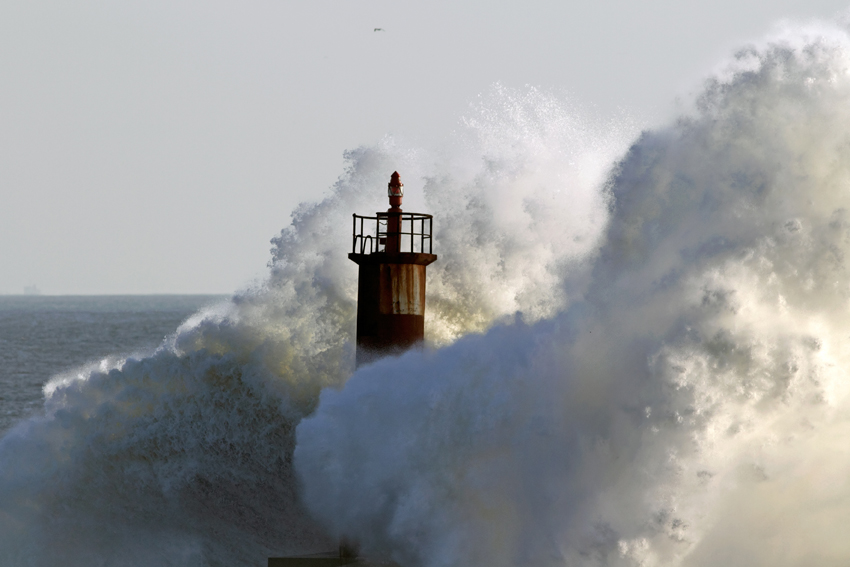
x: 32, y: 290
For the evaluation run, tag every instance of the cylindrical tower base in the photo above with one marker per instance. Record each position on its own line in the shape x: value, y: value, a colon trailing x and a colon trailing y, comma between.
x: 390, y: 303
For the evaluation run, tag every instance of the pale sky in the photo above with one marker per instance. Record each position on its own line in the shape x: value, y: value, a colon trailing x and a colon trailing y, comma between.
x: 156, y: 146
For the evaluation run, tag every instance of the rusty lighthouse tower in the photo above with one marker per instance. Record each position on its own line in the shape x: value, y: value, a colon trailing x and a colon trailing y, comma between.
x: 392, y: 250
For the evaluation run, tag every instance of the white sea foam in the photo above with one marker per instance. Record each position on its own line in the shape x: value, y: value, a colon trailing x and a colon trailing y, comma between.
x: 689, y: 410
x: 673, y: 392
x: 183, y: 457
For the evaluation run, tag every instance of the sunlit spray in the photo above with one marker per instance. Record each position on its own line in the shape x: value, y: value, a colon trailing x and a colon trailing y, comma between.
x: 184, y: 456
x: 637, y: 358
x: 688, y: 410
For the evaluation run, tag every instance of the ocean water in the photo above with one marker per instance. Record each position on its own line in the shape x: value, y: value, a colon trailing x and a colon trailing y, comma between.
x: 639, y: 356
x: 42, y: 336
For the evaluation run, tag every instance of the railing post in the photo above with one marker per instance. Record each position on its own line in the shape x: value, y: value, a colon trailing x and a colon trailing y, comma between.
x: 391, y: 229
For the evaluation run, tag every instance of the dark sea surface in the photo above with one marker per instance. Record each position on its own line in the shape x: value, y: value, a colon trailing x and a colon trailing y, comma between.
x: 41, y: 336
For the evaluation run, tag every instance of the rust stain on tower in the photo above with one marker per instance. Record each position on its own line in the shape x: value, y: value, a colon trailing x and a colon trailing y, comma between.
x: 392, y: 249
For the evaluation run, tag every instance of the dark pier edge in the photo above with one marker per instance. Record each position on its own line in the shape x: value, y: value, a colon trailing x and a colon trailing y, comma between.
x: 327, y: 560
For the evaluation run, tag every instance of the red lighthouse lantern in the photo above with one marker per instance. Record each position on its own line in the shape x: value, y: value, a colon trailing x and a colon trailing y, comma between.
x: 395, y: 191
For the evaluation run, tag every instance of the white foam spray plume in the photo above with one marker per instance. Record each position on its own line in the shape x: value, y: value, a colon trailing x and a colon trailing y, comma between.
x: 674, y: 392
x: 691, y: 409
x: 184, y: 456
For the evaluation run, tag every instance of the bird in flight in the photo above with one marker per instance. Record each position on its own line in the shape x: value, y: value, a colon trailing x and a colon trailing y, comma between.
x: 379, y: 29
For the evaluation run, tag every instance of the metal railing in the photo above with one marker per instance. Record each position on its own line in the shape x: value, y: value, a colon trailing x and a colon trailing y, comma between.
x: 414, y: 234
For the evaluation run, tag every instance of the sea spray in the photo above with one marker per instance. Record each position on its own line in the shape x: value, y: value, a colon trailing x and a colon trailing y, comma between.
x: 518, y: 209
x: 673, y: 393
x: 689, y: 410
x: 183, y: 456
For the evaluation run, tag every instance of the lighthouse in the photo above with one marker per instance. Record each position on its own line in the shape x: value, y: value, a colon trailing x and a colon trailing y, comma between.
x: 392, y: 250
